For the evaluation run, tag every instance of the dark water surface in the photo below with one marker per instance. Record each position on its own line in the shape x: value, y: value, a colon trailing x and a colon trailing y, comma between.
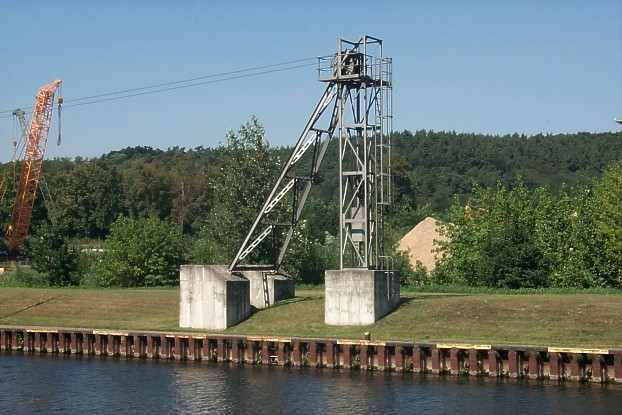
x: 48, y: 384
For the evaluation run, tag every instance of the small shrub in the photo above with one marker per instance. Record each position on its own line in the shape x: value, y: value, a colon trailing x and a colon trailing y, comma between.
x: 91, y: 279
x: 24, y: 276
x: 416, y: 277
x: 309, y: 257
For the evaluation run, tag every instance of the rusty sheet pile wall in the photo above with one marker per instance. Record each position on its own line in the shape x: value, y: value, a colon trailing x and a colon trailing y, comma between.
x: 457, y: 359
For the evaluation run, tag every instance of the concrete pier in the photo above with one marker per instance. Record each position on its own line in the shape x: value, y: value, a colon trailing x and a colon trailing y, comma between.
x: 279, y: 287
x: 212, y: 298
x: 355, y: 297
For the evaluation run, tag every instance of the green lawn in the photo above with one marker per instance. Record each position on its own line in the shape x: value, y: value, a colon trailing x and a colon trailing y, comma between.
x: 571, y: 320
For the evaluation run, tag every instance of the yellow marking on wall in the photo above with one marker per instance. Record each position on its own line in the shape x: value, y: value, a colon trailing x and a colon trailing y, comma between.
x: 268, y: 339
x: 463, y: 346
x: 361, y: 343
x: 577, y: 350
x: 110, y: 333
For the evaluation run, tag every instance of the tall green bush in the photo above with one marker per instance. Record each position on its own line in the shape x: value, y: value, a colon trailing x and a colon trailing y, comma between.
x: 563, y: 233
x: 207, y: 248
x: 245, y: 179
x: 140, y: 252
x: 513, y: 237
x: 608, y: 220
x: 491, y: 241
x: 53, y: 256
x: 308, y: 257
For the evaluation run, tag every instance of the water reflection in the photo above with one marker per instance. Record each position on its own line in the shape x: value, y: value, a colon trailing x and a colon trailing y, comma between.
x: 44, y: 384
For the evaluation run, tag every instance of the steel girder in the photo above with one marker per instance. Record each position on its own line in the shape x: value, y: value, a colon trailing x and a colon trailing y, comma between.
x: 291, y: 185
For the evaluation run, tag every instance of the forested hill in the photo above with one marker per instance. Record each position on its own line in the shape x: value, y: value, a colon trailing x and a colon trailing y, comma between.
x: 432, y: 166
x: 429, y: 167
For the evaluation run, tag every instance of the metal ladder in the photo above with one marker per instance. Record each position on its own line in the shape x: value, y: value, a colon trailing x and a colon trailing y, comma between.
x: 266, y: 293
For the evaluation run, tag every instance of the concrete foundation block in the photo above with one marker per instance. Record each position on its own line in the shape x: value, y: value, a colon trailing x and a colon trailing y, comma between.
x: 279, y: 287
x: 357, y: 297
x: 212, y: 298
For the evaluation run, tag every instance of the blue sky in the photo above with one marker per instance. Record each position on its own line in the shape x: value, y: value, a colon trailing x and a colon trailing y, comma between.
x: 477, y: 66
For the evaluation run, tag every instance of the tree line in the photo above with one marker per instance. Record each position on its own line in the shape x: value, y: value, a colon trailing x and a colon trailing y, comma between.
x: 516, y: 237
x: 201, y: 201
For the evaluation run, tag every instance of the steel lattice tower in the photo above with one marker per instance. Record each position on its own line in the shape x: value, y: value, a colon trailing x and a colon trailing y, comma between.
x: 365, y: 118
x: 356, y: 108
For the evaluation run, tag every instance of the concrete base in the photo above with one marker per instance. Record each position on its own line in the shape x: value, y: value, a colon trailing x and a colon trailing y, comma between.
x: 211, y: 297
x: 280, y: 288
x: 357, y: 297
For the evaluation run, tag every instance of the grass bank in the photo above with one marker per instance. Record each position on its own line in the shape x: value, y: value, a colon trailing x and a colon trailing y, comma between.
x: 548, y: 319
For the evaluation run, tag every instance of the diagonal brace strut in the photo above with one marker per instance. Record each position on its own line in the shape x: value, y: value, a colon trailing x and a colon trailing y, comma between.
x: 287, y: 183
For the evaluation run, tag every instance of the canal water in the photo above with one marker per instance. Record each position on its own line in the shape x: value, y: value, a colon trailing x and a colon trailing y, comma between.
x: 48, y: 384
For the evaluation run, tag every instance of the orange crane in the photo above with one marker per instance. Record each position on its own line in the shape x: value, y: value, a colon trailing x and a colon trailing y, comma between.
x: 30, y: 172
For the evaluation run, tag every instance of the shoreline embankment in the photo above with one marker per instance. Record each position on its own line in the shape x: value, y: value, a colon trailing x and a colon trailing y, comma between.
x: 434, y: 358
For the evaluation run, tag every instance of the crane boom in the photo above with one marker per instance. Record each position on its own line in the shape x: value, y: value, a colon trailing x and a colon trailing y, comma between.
x: 30, y: 173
